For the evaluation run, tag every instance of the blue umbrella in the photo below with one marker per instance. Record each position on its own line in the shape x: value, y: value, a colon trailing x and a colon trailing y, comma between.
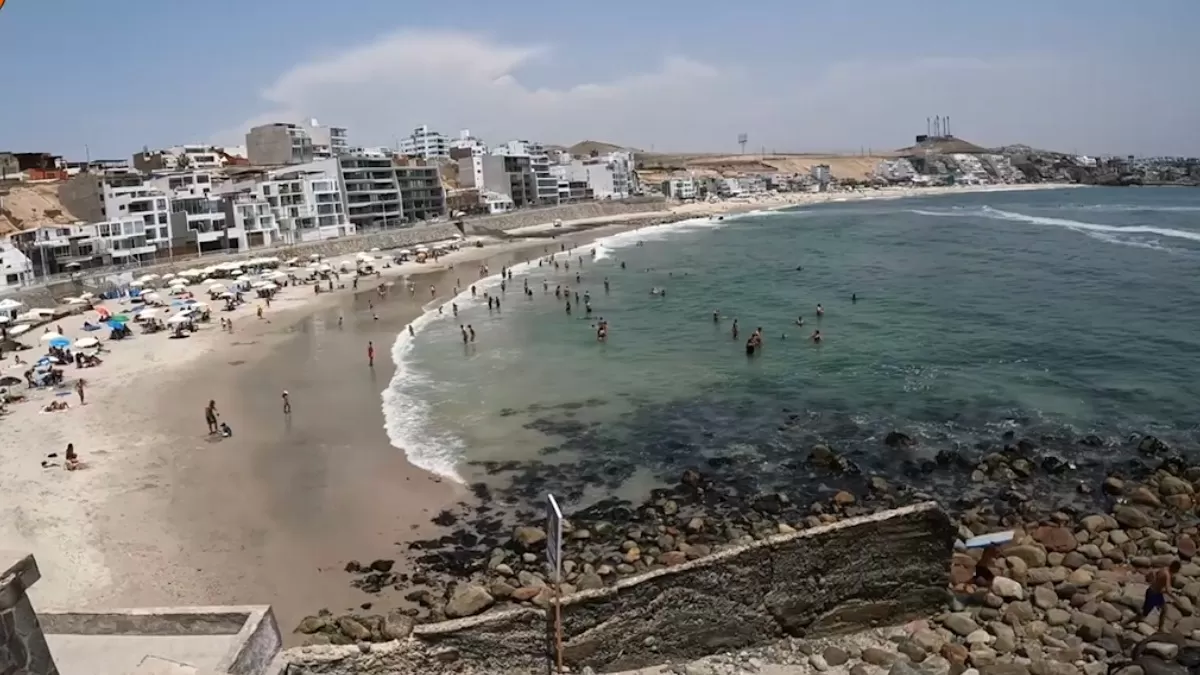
x: 115, y: 325
x: 60, y: 343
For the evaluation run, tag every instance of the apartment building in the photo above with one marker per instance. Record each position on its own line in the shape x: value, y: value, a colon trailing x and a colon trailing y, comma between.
x: 371, y: 191
x: 61, y: 249
x: 426, y: 144
x: 124, y: 195
x: 287, y: 205
x: 16, y: 269
x: 422, y: 196
x: 327, y: 141
x: 178, y: 158
x: 545, y: 182
x: 279, y: 143
x: 679, y: 188
x: 469, y: 143
x: 198, y: 219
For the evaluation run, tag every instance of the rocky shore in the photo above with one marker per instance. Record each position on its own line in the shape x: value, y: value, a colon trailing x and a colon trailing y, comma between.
x: 1066, y: 598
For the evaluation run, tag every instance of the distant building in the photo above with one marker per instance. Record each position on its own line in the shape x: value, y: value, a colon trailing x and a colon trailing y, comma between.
x: 59, y: 249
x: 821, y: 174
x: 466, y: 141
x: 15, y: 267
x: 10, y: 168
x: 180, y: 157
x: 679, y: 188
x: 125, y: 195
x: 287, y: 205
x: 422, y: 196
x: 426, y: 144
x: 545, y: 192
x: 277, y: 144
x: 326, y: 141
x: 371, y: 192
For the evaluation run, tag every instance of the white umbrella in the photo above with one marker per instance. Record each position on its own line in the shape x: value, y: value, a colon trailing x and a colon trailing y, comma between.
x: 150, y: 313
x: 315, y: 256
x: 51, y: 336
x: 182, y: 317
x: 87, y: 343
x: 405, y: 251
x: 137, y: 283
x: 178, y: 290
x: 168, y: 275
x: 8, y: 304
x: 217, y: 288
x: 179, y: 281
x: 88, y: 296
x: 18, y: 330
x: 4, y: 319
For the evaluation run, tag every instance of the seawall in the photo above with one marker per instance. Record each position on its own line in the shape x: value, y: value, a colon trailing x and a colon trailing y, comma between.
x: 47, y: 295
x: 852, y: 575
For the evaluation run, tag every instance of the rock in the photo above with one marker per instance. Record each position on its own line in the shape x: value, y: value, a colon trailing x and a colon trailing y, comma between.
x: 1149, y: 445
x: 1152, y: 665
x: 1044, y: 597
x: 353, y: 629
x: 1098, y: 522
x: 1003, y: 669
x: 471, y: 599
x: 590, y: 581
x: 1091, y: 628
x: 912, y: 650
x: 960, y: 623
x: 311, y: 624
x: 501, y: 589
x: 879, y: 485
x: 835, y: 656
x: 1171, y: 485
x: 1019, y: 612
x: 878, y: 657
x: 672, y: 558
x: 1179, y: 502
x: 1144, y: 496
x: 902, y: 668
x: 1034, y: 556
x: 1057, y: 539
x: 526, y: 593
x: 1131, y: 670
x: 633, y: 555
x: 1089, y: 551
x: 818, y: 663
x: 1007, y: 589
x: 1131, y: 516
x: 1113, y: 485
x: 529, y: 538
x: 1186, y: 546
x: 929, y: 640
x: 843, y: 498
x: 1058, y: 617
x: 1006, y: 637
x: 581, y: 534
x: 1165, y: 650
x: 670, y: 508
x: 979, y: 637
x: 695, y: 525
x: 956, y: 654
x: 860, y: 669
x: 821, y: 455
x: 1079, y: 577
x: 396, y: 626
x: 896, y: 439
x: 382, y: 565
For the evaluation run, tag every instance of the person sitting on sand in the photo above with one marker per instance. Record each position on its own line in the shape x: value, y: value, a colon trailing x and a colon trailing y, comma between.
x: 72, y: 463
x: 226, y: 432
x: 55, y: 406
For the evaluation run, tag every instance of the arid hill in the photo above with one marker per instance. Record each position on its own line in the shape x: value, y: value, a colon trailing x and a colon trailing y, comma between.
x: 28, y: 205
x: 654, y: 167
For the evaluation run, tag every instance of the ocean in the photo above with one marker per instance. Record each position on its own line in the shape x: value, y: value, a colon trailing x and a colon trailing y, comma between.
x: 980, y: 318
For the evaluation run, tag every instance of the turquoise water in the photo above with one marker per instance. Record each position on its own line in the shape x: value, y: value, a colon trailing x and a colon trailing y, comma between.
x: 1050, y: 314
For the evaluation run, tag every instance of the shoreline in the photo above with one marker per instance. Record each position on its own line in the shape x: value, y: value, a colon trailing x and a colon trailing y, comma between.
x: 147, y: 523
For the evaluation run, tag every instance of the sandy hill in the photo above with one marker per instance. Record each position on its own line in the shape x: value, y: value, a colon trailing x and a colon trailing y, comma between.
x: 585, y: 148
x: 654, y: 167
x: 947, y: 145
x: 28, y: 205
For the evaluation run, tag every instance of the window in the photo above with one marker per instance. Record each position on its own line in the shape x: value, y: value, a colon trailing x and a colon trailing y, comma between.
x: 162, y: 219
x: 161, y: 204
x: 103, y: 229
x: 162, y: 232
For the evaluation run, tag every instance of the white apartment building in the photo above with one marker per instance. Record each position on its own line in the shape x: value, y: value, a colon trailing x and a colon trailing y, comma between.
x: 288, y: 205
x: 470, y: 172
x: 539, y: 161
x: 327, y: 141
x: 679, y: 188
x: 16, y: 270
x: 466, y: 141
x: 117, y: 242
x: 145, y: 202
x: 425, y: 143
x: 195, y: 209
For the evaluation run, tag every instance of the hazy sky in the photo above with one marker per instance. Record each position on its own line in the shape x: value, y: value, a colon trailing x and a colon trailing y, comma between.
x: 1090, y: 76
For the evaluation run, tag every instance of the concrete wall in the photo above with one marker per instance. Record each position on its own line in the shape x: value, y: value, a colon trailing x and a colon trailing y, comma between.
x: 46, y: 296
x: 852, y: 575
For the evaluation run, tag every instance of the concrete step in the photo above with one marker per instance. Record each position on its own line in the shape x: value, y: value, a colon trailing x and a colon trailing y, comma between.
x: 154, y: 665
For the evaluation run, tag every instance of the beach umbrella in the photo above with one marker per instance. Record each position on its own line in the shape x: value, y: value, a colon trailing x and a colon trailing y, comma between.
x: 175, y: 283
x: 60, y: 342
x: 168, y: 275
x: 182, y: 317
x: 148, y: 313
x: 4, y: 320
x: 137, y: 283
x: 119, y: 318
x: 115, y: 325
x: 87, y: 343
x: 8, y: 304
x: 52, y: 336
x: 104, y: 312
x: 9, y: 381
x: 18, y: 330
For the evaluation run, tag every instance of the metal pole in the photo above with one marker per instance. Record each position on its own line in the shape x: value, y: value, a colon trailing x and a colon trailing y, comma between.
x: 558, y: 629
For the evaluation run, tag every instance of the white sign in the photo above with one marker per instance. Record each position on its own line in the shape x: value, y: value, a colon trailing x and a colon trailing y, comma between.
x: 554, y: 532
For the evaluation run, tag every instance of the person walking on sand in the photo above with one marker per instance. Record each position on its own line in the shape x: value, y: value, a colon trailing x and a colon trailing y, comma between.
x: 210, y: 416
x: 287, y: 403
x: 79, y: 384
x: 370, y: 354
x: 1158, y: 592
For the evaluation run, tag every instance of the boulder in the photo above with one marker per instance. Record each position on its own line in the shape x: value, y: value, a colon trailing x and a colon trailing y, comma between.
x: 1132, y: 517
x: 1056, y: 539
x: 1171, y: 485
x: 1008, y: 589
x: 353, y: 629
x: 878, y: 657
x: 396, y: 626
x: 470, y: 599
x: 528, y: 537
x: 960, y: 623
x: 1034, y: 556
x: 896, y: 439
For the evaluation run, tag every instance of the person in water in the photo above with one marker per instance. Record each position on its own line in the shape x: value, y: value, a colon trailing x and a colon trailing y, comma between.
x: 816, y: 336
x: 800, y: 321
x: 854, y: 297
x: 820, y: 310
x: 735, y: 329
x: 751, y: 345
x: 716, y: 316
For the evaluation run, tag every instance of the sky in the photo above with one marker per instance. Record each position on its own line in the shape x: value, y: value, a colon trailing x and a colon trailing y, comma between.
x: 106, y: 79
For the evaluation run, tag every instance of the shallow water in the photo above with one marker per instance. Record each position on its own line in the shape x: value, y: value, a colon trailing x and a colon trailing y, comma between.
x: 1050, y: 314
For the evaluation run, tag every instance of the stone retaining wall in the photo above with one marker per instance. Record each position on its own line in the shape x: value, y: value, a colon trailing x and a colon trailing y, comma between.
x: 852, y: 575
x: 48, y: 295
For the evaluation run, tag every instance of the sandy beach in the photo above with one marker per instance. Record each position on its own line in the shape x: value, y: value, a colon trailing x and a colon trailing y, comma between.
x: 165, y: 514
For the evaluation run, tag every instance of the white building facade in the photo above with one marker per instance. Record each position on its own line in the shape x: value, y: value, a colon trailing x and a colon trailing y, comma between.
x: 144, y: 202
x: 425, y: 143
x: 16, y: 269
x: 327, y: 141
x: 466, y: 141
x: 289, y: 205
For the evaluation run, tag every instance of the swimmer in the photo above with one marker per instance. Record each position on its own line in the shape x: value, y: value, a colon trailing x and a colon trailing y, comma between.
x: 463, y: 329
x: 820, y: 310
x: 854, y: 297
x: 750, y: 346
x: 816, y: 336
x: 799, y: 321
x: 605, y: 284
x: 716, y: 316
x: 568, y: 306
x: 735, y: 329
x: 472, y: 290
x: 432, y: 291
x: 622, y: 264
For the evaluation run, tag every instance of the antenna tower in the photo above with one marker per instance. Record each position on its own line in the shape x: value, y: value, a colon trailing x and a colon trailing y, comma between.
x: 743, y: 138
